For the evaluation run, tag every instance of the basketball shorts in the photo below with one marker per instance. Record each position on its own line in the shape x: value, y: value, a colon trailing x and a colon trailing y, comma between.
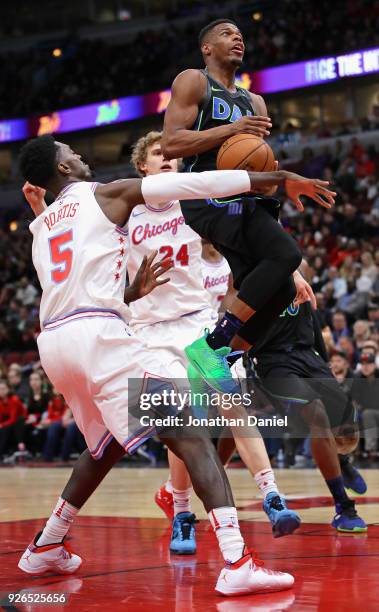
x: 101, y: 368
x: 168, y: 339
x: 299, y: 377
x: 234, y: 226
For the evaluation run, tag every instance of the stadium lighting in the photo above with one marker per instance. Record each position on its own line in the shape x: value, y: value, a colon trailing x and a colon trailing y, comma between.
x: 57, y: 52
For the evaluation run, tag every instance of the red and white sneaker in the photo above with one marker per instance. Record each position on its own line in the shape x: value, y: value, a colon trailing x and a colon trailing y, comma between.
x: 247, y: 576
x: 165, y: 500
x: 56, y: 558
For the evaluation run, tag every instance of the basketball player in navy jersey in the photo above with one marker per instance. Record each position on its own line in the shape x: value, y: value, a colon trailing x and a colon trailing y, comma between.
x: 207, y: 108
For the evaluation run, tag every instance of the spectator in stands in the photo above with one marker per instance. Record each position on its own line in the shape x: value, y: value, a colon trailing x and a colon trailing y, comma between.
x: 339, y: 326
x: 365, y: 393
x: 26, y: 292
x: 12, y: 420
x: 38, y: 399
x: 338, y: 282
x: 369, y: 268
x: 373, y: 311
x: 339, y: 365
x: 345, y: 344
x: 37, y: 406
x: 35, y: 82
x: 17, y: 384
x: 59, y: 421
x: 361, y: 333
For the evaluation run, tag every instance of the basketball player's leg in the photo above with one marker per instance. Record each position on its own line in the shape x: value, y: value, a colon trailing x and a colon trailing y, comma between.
x: 212, y: 487
x: 206, y: 472
x: 238, y: 337
x: 325, y: 447
x: 167, y: 340
x: 308, y: 399
x: 269, y: 255
x: 252, y: 450
x: 47, y: 552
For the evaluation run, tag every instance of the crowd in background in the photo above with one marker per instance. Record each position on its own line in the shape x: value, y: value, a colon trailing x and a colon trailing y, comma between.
x: 35, y: 81
x: 341, y: 246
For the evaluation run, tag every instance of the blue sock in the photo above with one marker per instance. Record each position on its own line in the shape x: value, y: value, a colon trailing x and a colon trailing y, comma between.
x: 337, y: 489
x: 224, y: 331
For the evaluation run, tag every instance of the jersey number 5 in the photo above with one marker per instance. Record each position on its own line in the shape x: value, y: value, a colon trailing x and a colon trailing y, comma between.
x: 62, y: 258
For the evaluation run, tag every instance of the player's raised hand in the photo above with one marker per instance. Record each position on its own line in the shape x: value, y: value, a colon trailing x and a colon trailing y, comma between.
x: 250, y: 124
x: 148, y: 277
x: 35, y: 196
x: 296, y: 186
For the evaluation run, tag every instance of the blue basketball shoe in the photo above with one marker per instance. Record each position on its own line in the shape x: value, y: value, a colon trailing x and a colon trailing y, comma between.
x: 283, y: 520
x: 347, y: 520
x: 183, y: 540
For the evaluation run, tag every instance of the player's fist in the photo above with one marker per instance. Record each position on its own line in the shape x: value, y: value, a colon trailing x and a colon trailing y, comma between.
x: 256, y: 125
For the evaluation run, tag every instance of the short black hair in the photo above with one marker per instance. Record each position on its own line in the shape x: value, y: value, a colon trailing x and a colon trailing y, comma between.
x: 204, y: 31
x: 38, y: 160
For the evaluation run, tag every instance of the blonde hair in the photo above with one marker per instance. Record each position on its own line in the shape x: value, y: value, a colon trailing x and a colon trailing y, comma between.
x: 140, y: 148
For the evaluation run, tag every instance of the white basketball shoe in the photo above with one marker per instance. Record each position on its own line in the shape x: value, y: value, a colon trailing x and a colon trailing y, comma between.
x: 56, y: 558
x: 247, y: 576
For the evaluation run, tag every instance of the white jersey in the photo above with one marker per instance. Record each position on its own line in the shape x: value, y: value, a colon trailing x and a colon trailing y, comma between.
x: 216, y: 280
x: 164, y: 230
x: 79, y: 255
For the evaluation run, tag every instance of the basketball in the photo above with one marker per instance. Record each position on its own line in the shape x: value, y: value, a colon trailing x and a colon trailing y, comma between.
x: 246, y: 152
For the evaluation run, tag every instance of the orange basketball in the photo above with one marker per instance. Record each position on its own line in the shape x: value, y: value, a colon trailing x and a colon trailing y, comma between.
x: 245, y: 152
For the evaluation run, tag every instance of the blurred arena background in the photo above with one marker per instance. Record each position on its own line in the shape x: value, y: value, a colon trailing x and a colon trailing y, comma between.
x: 98, y: 73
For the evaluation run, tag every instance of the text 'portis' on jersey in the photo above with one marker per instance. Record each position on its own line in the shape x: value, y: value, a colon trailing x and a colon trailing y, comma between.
x: 79, y: 255
x: 219, y: 107
x: 164, y: 230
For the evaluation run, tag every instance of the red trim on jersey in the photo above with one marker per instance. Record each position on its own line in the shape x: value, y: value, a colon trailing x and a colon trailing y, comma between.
x: 164, y: 209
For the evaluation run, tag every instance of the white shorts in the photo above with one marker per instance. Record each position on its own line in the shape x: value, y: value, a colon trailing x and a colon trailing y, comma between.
x: 168, y: 339
x: 90, y: 358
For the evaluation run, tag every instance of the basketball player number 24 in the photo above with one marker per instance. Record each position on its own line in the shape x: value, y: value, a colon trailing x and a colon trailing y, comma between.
x: 181, y: 256
x: 61, y: 257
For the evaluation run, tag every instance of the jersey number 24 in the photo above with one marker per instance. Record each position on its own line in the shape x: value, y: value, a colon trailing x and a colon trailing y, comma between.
x: 181, y: 257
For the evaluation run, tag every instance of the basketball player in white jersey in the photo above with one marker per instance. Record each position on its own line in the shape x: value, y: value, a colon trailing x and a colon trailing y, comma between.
x: 217, y: 276
x: 173, y: 316
x: 90, y: 354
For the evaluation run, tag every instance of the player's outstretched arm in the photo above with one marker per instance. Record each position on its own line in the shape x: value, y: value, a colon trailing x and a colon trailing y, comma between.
x: 118, y: 199
x: 179, y: 139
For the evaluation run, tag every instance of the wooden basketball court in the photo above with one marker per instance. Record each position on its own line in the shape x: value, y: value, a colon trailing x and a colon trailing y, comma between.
x: 123, y: 538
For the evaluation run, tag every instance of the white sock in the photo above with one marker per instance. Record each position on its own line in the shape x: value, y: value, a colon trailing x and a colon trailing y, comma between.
x: 225, y: 524
x: 58, y: 524
x: 182, y: 500
x: 265, y: 480
x: 168, y: 486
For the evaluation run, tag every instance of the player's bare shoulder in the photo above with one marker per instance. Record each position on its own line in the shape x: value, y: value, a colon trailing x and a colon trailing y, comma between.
x: 190, y: 83
x: 259, y: 105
